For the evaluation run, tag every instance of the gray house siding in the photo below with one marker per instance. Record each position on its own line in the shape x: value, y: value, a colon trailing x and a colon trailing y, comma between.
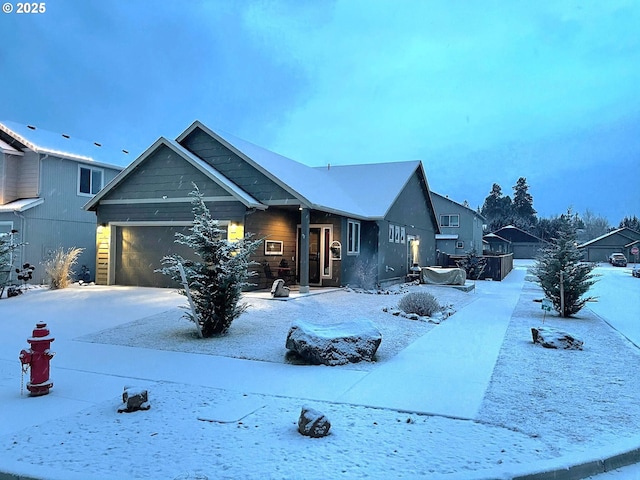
x: 28, y: 180
x: 469, y: 232
x: 164, y: 174
x: 58, y: 222
x: 164, y: 212
x: 412, y: 213
x: 231, y: 166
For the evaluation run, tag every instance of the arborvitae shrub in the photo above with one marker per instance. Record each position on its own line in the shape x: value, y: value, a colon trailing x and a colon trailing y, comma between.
x: 420, y: 303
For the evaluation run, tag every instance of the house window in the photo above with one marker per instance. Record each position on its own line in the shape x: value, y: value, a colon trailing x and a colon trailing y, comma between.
x: 89, y: 180
x: 460, y: 245
x: 450, y: 220
x: 353, y: 237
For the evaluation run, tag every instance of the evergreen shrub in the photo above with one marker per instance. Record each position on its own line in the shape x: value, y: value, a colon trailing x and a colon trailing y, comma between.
x: 217, y: 279
x: 562, y: 256
x: 420, y: 303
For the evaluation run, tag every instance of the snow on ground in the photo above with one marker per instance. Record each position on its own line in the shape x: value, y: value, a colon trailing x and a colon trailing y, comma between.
x: 541, y: 407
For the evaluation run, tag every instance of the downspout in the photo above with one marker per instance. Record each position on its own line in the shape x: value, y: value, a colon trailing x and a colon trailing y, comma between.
x: 23, y: 234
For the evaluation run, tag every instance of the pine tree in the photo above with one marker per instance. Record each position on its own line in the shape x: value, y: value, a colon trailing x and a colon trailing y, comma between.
x: 630, y: 222
x: 216, y: 282
x: 562, y: 259
x: 497, y: 209
x: 523, y: 211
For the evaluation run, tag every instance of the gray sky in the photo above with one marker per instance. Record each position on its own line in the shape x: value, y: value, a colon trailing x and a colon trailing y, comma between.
x: 481, y: 91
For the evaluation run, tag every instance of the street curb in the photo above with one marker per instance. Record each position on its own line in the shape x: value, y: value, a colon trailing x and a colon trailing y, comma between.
x: 585, y: 469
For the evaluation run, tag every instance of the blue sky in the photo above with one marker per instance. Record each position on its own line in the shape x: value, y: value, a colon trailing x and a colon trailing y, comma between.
x: 481, y: 91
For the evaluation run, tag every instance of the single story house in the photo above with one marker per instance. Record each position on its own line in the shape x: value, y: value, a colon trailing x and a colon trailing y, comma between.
x: 621, y: 240
x: 322, y: 226
x: 461, y: 226
x: 45, y: 180
x: 511, y: 239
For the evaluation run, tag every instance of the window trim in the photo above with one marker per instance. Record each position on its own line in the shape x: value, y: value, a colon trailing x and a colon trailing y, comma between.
x: 353, y: 240
x: 449, y: 217
x: 91, y: 181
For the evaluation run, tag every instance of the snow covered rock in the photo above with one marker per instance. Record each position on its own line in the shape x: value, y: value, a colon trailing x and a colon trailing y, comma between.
x: 313, y: 424
x: 279, y: 289
x: 553, y: 338
x: 337, y: 344
x: 134, y: 399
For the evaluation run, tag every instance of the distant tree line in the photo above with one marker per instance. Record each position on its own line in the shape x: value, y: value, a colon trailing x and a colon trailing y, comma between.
x: 501, y: 210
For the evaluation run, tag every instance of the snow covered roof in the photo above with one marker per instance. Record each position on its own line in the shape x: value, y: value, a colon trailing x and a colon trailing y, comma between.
x: 445, y: 197
x: 624, y: 231
x: 348, y: 189
x: 6, y: 148
x: 62, y: 145
x: 21, y: 205
x: 201, y: 165
x: 494, y: 236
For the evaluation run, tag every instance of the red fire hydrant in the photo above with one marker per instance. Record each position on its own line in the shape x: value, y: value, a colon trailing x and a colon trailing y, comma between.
x: 38, y: 358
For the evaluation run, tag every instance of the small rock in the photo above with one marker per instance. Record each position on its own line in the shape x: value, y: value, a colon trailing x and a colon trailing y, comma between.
x: 313, y: 424
x: 134, y: 399
x: 279, y: 289
x: 550, y: 337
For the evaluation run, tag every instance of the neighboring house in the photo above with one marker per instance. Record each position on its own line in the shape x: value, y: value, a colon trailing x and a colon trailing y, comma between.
x: 621, y: 240
x: 322, y: 226
x: 45, y: 180
x: 460, y: 227
x: 514, y: 240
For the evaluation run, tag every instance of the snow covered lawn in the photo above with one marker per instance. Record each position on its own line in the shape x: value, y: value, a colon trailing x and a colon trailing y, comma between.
x: 542, y: 407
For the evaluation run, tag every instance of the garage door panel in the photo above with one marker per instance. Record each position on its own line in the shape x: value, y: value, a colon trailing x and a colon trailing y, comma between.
x: 139, y: 252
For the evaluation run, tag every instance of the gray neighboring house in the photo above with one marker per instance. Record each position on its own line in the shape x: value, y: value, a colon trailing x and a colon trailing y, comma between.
x: 322, y: 226
x: 461, y: 227
x: 511, y: 239
x: 45, y: 180
x: 621, y: 240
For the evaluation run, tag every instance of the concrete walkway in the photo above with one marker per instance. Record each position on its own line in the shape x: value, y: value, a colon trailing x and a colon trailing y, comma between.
x: 468, y: 344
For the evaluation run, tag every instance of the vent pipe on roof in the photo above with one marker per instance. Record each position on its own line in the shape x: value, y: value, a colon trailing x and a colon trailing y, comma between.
x: 97, y: 144
x: 31, y: 127
x: 65, y: 135
x: 328, y: 166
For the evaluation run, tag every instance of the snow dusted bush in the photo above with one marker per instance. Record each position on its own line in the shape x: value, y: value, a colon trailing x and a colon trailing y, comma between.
x: 420, y: 303
x: 215, y: 282
x: 59, y: 266
x: 562, y: 259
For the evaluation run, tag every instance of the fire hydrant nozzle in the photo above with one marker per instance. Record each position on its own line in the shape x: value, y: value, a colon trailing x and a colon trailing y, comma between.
x: 38, y: 358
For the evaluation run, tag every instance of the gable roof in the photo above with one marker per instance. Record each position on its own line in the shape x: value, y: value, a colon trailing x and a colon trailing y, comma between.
x: 235, y: 191
x: 447, y: 199
x: 625, y: 232
x: 347, y: 190
x: 515, y: 234
x: 65, y: 146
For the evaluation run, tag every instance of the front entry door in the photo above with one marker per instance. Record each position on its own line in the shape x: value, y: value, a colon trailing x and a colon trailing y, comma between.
x: 314, y: 256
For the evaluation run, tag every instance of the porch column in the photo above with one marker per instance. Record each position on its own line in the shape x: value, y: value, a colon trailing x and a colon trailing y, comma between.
x: 304, y: 250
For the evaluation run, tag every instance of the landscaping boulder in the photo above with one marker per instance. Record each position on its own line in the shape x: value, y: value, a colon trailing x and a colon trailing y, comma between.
x: 279, y: 289
x: 554, y: 338
x: 313, y: 424
x: 336, y: 344
x: 134, y: 399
